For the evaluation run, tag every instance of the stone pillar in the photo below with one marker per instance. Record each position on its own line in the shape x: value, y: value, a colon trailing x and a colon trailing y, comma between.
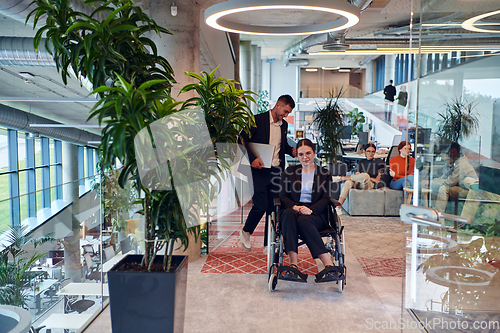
x: 423, y: 64
x: 245, y: 65
x: 390, y: 68
x: 72, y: 262
x: 182, y: 49
x: 259, y: 69
x: 254, y: 71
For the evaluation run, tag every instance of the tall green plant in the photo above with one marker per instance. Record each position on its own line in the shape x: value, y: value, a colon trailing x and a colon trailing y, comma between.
x: 15, y: 263
x: 115, y: 50
x: 356, y: 120
x: 110, y: 39
x: 329, y: 119
x: 224, y: 106
x: 459, y: 120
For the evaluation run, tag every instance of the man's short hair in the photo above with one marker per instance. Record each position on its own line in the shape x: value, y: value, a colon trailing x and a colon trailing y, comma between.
x: 390, y: 81
x: 288, y: 100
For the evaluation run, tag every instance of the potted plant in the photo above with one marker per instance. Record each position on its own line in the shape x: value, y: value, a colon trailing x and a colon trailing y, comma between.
x: 329, y: 119
x: 458, y: 121
x: 136, y: 99
x: 356, y: 120
x: 16, y: 263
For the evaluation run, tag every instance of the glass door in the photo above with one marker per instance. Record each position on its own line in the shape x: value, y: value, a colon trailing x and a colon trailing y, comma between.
x: 452, y: 280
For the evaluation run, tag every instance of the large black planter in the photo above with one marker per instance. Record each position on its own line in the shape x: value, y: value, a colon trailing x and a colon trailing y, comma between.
x: 148, y: 301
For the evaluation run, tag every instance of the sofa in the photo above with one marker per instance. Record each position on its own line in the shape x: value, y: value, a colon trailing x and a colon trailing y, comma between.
x: 379, y: 202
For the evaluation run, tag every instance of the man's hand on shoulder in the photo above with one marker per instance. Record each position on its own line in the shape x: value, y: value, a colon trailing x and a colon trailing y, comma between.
x: 257, y: 163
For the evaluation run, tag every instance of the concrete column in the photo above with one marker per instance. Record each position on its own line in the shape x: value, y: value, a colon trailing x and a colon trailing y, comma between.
x: 235, y: 40
x: 423, y: 64
x: 245, y: 65
x: 254, y: 71
x: 444, y: 61
x: 370, y: 76
x: 182, y: 49
x: 259, y: 69
x: 266, y: 76
x: 390, y: 68
x: 72, y: 263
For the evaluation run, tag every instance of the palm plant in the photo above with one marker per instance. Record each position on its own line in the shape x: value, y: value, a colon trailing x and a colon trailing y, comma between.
x: 134, y: 83
x: 110, y: 40
x: 15, y: 263
x: 224, y: 106
x: 458, y: 121
x: 329, y: 120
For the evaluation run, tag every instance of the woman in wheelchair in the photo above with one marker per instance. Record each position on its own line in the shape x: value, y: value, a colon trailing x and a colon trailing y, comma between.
x: 305, y: 196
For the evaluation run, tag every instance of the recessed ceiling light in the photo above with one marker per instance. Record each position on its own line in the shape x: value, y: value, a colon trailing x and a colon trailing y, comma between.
x: 311, y: 69
x: 216, y: 16
x: 330, y: 68
x: 469, y: 24
x: 344, y: 70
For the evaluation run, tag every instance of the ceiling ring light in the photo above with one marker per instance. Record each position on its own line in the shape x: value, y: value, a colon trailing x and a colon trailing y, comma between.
x: 214, y: 16
x: 469, y: 24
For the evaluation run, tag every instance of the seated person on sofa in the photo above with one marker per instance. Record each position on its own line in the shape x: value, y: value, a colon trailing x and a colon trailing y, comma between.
x: 458, y: 176
x: 305, y: 195
x: 402, y: 167
x: 368, y: 175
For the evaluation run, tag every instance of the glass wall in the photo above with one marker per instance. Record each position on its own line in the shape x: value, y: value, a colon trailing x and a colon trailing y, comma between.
x: 65, y: 272
x: 453, y: 277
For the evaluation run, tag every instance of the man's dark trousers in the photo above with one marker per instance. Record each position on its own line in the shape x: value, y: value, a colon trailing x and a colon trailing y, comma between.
x: 266, y: 184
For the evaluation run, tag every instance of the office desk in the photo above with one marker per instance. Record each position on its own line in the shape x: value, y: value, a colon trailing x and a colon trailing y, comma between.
x: 356, y: 156
x: 43, y: 286
x: 67, y: 321
x: 84, y: 289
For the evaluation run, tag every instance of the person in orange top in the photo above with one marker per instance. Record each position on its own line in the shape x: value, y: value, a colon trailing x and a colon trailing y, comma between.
x: 402, y: 167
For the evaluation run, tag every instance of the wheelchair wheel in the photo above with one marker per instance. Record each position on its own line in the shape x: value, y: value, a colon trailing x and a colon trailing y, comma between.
x: 271, y: 240
x: 273, y: 281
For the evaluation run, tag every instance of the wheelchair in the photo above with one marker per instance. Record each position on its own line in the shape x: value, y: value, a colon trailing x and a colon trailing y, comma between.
x: 335, y: 245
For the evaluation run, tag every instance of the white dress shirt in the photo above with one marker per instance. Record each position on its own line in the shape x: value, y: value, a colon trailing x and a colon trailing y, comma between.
x: 275, y: 139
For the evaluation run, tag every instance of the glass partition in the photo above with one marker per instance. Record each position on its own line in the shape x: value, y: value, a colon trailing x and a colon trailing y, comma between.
x: 452, y: 278
x: 67, y: 277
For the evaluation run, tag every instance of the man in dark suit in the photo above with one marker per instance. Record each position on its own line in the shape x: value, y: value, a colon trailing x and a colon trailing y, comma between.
x: 270, y: 128
x: 389, y: 93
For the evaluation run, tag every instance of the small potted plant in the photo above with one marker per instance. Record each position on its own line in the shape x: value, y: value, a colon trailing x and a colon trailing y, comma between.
x: 356, y: 120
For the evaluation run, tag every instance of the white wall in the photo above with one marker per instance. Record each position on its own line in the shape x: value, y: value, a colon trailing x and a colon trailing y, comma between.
x: 283, y: 80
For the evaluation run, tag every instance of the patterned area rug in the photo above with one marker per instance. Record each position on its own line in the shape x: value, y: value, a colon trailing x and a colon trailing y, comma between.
x: 230, y: 258
x: 391, y: 267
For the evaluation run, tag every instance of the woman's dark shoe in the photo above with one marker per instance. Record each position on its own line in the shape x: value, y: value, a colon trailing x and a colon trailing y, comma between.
x: 329, y: 273
x: 291, y: 273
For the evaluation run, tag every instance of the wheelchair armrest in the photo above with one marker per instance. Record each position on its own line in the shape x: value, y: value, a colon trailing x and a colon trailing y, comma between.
x: 277, y: 202
x: 335, y: 202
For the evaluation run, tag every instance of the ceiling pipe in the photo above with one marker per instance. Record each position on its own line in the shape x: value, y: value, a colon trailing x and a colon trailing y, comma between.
x: 367, y: 59
x: 299, y: 62
x: 336, y: 39
x: 20, y: 120
x: 19, y: 51
x: 416, y: 26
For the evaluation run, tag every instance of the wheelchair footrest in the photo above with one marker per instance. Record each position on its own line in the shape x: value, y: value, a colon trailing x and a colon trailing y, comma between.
x: 330, y: 273
x: 288, y: 273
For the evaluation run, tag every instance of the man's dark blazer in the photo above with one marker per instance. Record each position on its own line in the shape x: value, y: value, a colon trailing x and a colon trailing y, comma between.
x: 260, y: 134
x: 291, y: 185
